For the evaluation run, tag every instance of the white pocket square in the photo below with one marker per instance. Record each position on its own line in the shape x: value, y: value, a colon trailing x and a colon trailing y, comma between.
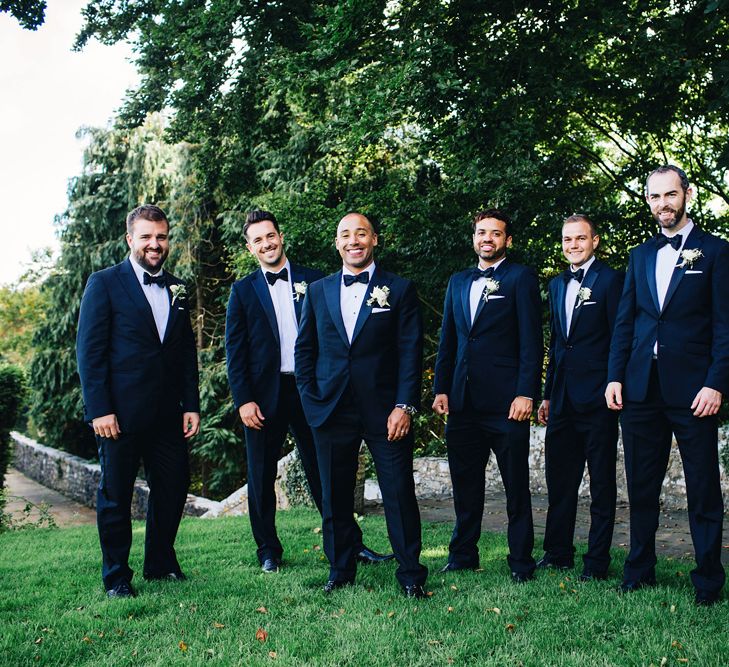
x: 180, y: 308
x: 495, y: 296
x: 687, y: 272
x: 589, y: 303
x: 380, y: 310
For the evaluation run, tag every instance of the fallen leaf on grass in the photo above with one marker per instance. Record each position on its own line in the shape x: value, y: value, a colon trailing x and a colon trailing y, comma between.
x: 100, y: 633
x: 454, y: 587
x: 183, y: 646
x: 433, y: 642
x: 317, y: 530
x: 683, y: 660
x: 272, y: 655
x: 673, y: 608
x: 510, y: 627
x: 262, y: 610
x: 430, y: 594
x: 261, y: 635
x: 664, y: 661
x: 676, y: 644
x: 450, y: 609
x: 39, y: 640
x: 679, y: 574
x: 87, y: 639
x: 561, y: 585
x: 316, y: 547
x: 306, y: 551
x: 218, y: 626
x: 390, y: 614
x: 495, y: 610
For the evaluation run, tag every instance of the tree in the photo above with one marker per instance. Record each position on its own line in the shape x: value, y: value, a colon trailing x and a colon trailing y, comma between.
x: 30, y: 13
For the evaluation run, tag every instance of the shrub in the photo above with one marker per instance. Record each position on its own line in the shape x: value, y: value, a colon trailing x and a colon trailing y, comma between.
x: 12, y: 393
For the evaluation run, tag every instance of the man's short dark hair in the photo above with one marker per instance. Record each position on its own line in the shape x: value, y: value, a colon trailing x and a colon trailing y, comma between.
x: 258, y: 215
x: 146, y: 212
x: 373, y: 222
x: 492, y: 213
x: 664, y: 170
x: 581, y: 217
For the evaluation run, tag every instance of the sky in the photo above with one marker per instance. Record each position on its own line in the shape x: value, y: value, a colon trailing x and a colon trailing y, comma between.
x: 47, y: 92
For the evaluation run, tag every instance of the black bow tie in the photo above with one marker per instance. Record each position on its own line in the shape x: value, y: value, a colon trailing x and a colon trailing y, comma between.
x: 148, y: 279
x: 574, y: 275
x: 363, y: 278
x: 674, y: 241
x: 283, y: 274
x: 482, y: 273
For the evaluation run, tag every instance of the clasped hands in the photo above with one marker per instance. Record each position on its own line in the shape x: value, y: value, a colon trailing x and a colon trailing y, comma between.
x: 108, y: 426
x: 706, y: 403
x: 520, y: 409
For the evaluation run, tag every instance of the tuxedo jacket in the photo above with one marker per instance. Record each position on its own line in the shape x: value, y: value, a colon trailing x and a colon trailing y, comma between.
x: 124, y: 367
x: 577, y: 361
x: 252, y: 345
x: 500, y: 355
x: 692, y: 328
x: 383, y: 363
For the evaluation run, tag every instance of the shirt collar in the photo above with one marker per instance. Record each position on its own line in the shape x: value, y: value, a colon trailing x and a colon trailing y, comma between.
x: 493, y: 266
x: 684, y: 231
x: 139, y: 271
x: 287, y: 265
x: 370, y: 269
x: 585, y: 266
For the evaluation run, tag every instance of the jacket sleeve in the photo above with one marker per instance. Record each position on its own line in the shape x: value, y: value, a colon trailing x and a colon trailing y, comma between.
x: 191, y: 389
x: 306, y: 350
x: 622, y: 338
x: 717, y: 377
x: 237, y: 354
x: 93, y: 348
x: 410, y: 348
x: 531, y: 344
x: 549, y: 379
x: 446, y: 360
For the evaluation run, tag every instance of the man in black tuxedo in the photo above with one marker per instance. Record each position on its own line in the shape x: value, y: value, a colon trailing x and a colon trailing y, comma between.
x: 260, y: 333
x: 584, y: 301
x: 668, y: 371
x: 487, y: 376
x: 358, y: 368
x: 138, y: 367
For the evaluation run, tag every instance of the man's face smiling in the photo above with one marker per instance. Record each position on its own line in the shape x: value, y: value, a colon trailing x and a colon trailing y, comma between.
x: 355, y: 241
x: 667, y: 200
x: 266, y: 244
x: 490, y: 241
x: 149, y: 244
x: 578, y: 243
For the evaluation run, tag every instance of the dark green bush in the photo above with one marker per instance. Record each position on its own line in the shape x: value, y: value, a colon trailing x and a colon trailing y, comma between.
x: 12, y: 393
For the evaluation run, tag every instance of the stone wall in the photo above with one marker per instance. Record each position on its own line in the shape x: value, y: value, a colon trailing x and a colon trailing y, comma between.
x: 78, y: 479
x: 432, y: 476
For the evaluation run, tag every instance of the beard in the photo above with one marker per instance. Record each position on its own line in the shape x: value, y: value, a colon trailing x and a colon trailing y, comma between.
x: 140, y: 257
x: 677, y: 216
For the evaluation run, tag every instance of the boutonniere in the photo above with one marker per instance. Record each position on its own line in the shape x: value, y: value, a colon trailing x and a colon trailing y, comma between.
x: 178, y: 292
x: 379, y: 294
x: 492, y: 286
x: 583, y: 294
x: 300, y: 289
x: 689, y: 256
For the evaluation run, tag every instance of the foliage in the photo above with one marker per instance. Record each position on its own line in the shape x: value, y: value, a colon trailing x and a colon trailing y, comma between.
x: 30, y: 13
x: 12, y: 396
x: 55, y: 614
x: 31, y: 516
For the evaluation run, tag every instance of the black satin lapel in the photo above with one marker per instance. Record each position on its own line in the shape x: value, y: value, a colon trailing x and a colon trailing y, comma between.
x: 131, y: 286
x: 331, y: 294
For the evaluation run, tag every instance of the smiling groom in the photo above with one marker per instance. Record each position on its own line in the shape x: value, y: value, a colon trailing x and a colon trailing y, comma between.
x: 358, y: 369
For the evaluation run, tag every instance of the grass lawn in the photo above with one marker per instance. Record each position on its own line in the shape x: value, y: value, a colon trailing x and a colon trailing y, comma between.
x: 53, y: 610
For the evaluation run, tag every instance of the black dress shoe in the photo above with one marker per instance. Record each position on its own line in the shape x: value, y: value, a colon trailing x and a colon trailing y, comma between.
x: 705, y: 599
x: 122, y: 590
x: 521, y: 577
x: 545, y: 562
x: 632, y: 585
x: 271, y: 565
x: 332, y: 585
x: 369, y: 557
x: 454, y: 567
x: 169, y: 576
x: 590, y: 575
x: 414, y: 591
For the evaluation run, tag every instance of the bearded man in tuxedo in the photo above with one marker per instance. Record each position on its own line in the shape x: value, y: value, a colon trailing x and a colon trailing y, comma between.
x: 668, y: 371
x: 138, y: 366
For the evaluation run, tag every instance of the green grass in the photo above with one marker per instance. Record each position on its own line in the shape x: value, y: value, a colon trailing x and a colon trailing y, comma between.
x: 53, y: 610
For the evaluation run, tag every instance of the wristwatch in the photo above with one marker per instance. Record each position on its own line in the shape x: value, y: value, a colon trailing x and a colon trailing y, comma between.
x: 408, y: 409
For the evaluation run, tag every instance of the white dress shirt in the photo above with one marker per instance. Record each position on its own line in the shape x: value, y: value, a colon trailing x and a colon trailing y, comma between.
x: 157, y: 296
x: 282, y: 295
x: 351, y: 299
x: 570, y: 294
x: 666, y: 260
x: 477, y: 288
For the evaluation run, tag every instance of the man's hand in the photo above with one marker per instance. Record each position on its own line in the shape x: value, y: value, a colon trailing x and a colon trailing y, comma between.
x: 614, y: 395
x: 521, y: 408
x: 707, y: 402
x: 398, y: 424
x: 106, y: 426
x: 251, y: 415
x: 543, y: 412
x: 440, y: 404
x: 190, y: 424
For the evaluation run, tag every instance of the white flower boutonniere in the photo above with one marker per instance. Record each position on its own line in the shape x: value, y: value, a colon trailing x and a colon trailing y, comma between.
x: 379, y: 295
x: 689, y: 256
x: 492, y: 286
x: 583, y: 294
x: 300, y: 289
x: 178, y: 292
